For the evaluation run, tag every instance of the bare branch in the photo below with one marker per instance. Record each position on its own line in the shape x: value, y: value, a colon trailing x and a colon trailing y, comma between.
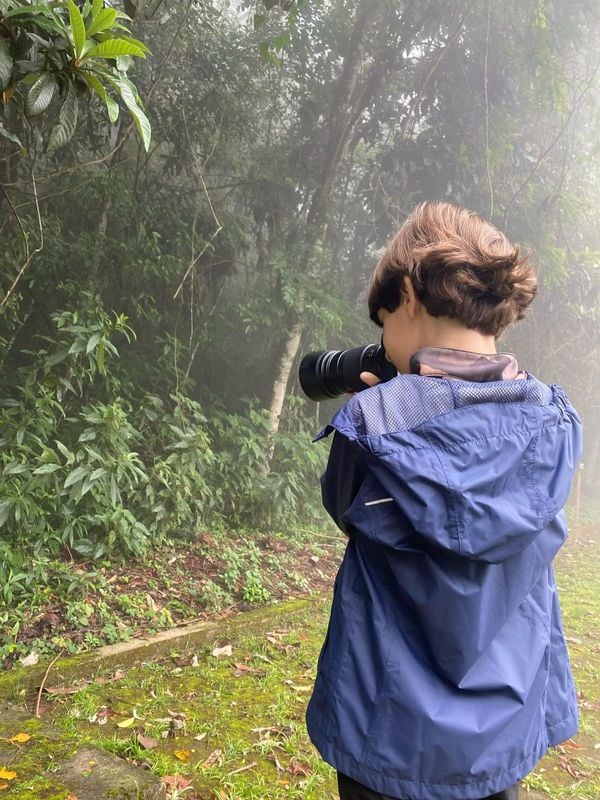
x: 200, y: 170
x: 28, y: 256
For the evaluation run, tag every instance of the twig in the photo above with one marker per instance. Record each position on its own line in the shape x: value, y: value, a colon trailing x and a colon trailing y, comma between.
x: 174, y: 41
x: 39, y: 697
x: 28, y: 256
x: 242, y: 769
x: 96, y: 161
x: 587, y: 83
x: 410, y: 117
x: 200, y: 170
x: 487, y: 110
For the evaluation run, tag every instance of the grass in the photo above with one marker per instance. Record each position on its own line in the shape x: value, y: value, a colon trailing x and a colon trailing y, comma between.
x: 88, y: 605
x: 234, y: 725
x: 572, y: 771
x: 244, y: 713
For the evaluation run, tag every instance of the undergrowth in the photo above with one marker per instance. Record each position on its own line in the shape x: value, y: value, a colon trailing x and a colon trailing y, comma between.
x: 95, y: 470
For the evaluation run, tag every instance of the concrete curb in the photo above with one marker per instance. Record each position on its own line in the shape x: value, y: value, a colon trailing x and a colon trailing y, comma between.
x: 24, y: 680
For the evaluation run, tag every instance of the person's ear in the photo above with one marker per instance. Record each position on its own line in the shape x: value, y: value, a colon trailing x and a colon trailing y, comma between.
x: 411, y: 300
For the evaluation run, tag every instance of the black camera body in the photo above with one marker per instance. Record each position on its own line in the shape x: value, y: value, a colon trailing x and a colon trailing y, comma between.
x: 330, y: 373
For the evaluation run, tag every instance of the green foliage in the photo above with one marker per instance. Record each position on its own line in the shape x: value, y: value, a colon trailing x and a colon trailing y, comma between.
x: 244, y: 492
x: 60, y: 51
x: 207, y: 246
x: 254, y: 592
x: 87, y: 469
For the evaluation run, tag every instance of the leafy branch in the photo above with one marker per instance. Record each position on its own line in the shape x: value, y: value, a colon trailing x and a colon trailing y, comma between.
x: 54, y: 52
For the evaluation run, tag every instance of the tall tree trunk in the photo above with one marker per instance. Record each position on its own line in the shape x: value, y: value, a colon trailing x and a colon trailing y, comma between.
x: 352, y: 95
x: 280, y: 387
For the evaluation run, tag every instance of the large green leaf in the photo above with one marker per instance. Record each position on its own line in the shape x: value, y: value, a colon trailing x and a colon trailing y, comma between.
x: 106, y: 18
x: 67, y: 120
x: 97, y: 7
x: 38, y: 8
x: 8, y: 135
x: 98, y: 87
x: 40, y: 95
x: 77, y: 28
x: 6, y: 63
x: 135, y: 43
x: 54, y: 26
x: 130, y: 97
x: 113, y: 48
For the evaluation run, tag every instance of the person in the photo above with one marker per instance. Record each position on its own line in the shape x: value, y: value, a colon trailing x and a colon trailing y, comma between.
x: 444, y: 674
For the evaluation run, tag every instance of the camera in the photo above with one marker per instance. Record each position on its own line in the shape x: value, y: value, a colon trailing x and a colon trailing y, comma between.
x: 330, y: 373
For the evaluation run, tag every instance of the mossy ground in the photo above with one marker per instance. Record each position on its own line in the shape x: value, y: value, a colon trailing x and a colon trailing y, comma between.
x: 572, y: 770
x: 233, y: 725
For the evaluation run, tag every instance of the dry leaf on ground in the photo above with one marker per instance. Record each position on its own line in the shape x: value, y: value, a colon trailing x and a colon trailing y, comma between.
x: 213, y: 758
x: 147, y: 742
x: 221, y: 652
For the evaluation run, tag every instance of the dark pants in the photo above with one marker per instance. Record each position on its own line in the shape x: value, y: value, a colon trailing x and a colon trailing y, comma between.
x: 351, y: 790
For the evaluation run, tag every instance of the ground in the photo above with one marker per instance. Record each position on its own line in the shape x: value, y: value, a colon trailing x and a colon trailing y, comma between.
x: 226, y: 720
x: 218, y: 574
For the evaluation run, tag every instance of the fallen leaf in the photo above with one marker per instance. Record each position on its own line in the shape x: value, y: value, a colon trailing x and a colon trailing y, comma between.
x: 244, y: 669
x: 263, y: 658
x: 176, y: 781
x: 570, y: 743
x: 296, y: 767
x: 213, y: 758
x: 277, y: 763
x: 220, y: 652
x: 147, y: 742
x: 151, y: 602
x: 19, y: 738
x: 7, y: 774
x: 182, y: 755
x: 60, y: 690
x: 126, y: 723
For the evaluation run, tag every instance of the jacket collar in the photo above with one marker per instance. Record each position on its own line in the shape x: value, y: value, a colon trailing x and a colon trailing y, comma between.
x: 445, y: 362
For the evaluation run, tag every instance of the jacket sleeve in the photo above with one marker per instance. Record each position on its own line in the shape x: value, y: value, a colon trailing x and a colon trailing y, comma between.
x: 342, y: 479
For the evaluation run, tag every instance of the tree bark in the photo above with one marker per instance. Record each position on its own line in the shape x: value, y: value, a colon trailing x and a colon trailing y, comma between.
x: 352, y: 95
x: 280, y: 387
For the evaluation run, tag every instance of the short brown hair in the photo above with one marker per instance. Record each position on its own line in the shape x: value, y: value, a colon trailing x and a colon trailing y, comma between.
x: 461, y: 267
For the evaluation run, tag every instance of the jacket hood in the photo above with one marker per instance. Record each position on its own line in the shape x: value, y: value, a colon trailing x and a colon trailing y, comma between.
x: 479, y: 469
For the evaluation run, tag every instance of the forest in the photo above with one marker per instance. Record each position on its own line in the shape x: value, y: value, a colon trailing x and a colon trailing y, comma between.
x: 165, y: 268
x: 193, y: 196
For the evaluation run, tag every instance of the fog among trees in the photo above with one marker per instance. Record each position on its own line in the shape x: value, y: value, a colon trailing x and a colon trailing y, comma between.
x: 169, y: 286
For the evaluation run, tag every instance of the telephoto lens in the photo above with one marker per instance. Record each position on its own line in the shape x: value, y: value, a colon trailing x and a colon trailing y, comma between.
x: 330, y: 373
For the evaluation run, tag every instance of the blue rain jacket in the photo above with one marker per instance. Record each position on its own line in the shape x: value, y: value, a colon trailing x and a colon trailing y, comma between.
x: 445, y: 674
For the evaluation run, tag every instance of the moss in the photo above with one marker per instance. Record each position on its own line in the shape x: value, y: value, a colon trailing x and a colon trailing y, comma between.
x: 255, y: 715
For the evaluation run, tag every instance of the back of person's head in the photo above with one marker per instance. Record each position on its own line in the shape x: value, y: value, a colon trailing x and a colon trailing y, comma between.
x: 461, y: 267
